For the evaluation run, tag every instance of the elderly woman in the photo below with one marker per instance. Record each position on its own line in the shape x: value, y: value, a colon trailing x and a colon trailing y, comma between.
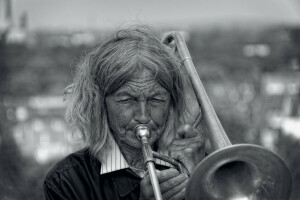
x: 130, y: 79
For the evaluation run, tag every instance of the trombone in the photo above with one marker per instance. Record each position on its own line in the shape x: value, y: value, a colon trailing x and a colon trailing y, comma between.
x: 230, y: 172
x: 142, y: 132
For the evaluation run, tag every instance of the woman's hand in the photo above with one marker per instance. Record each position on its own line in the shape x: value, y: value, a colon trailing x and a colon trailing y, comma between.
x: 188, y: 148
x: 171, y: 183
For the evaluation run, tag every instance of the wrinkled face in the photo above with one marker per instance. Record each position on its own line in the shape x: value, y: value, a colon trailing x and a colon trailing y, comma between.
x: 141, y: 100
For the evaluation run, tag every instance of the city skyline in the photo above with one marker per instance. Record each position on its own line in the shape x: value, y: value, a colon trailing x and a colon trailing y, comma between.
x: 93, y: 14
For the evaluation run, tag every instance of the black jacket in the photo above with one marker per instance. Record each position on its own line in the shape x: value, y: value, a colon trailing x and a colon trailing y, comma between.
x: 77, y: 177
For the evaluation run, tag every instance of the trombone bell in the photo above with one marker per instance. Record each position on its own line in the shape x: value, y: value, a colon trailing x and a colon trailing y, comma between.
x: 240, y: 172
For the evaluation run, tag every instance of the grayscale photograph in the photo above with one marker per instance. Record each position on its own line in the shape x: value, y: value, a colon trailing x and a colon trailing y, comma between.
x: 149, y: 100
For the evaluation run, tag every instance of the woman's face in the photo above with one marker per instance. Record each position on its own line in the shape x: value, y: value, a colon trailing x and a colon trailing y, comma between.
x: 141, y: 100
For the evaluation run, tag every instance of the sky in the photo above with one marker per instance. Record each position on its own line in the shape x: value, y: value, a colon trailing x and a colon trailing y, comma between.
x: 85, y: 14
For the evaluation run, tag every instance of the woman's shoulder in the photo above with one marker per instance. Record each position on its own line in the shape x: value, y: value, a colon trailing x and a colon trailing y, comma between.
x: 73, y: 165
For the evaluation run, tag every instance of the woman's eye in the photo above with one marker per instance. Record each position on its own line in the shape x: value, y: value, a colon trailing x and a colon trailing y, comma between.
x: 157, y: 100
x: 126, y: 100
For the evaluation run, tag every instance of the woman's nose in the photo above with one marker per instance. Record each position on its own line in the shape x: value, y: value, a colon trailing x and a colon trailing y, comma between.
x: 142, y: 113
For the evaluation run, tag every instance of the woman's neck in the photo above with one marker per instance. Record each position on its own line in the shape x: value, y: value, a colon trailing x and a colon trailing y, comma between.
x: 133, y: 156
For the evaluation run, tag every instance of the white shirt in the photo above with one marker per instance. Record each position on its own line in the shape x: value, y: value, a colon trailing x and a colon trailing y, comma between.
x: 115, y: 161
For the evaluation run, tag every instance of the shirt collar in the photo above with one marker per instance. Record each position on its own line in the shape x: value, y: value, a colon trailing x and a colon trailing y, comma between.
x: 114, y: 161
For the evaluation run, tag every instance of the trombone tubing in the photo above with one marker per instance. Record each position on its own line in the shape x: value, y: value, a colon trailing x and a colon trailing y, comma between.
x: 154, y: 180
x: 217, y: 134
x: 142, y: 132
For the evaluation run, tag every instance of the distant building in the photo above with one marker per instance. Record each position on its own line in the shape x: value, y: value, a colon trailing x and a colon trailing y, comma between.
x: 10, y: 32
x: 5, y: 16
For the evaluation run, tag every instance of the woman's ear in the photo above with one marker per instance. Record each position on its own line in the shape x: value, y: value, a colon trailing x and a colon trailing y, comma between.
x: 67, y: 91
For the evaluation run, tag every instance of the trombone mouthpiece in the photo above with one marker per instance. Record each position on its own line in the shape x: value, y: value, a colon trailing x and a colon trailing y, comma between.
x: 141, y: 131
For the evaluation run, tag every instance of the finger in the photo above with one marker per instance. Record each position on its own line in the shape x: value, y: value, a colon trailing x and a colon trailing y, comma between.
x: 198, y: 141
x: 187, y: 154
x: 167, y: 174
x: 173, y: 182
x: 182, y: 155
x: 174, y: 186
x: 179, y: 196
x: 147, y: 178
x: 188, y: 158
x: 186, y: 131
x: 186, y: 149
x: 193, y: 143
x: 146, y: 189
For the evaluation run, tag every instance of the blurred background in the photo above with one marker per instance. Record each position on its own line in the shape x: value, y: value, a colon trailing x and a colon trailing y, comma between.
x: 246, y: 52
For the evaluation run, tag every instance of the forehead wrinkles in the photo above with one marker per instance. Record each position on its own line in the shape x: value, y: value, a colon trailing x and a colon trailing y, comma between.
x: 140, y: 87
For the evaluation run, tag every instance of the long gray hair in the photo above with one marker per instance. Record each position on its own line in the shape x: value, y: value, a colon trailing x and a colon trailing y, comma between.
x: 106, y: 68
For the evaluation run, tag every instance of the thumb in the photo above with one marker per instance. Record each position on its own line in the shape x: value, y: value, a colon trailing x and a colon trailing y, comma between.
x: 182, y: 130
x: 186, y: 163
